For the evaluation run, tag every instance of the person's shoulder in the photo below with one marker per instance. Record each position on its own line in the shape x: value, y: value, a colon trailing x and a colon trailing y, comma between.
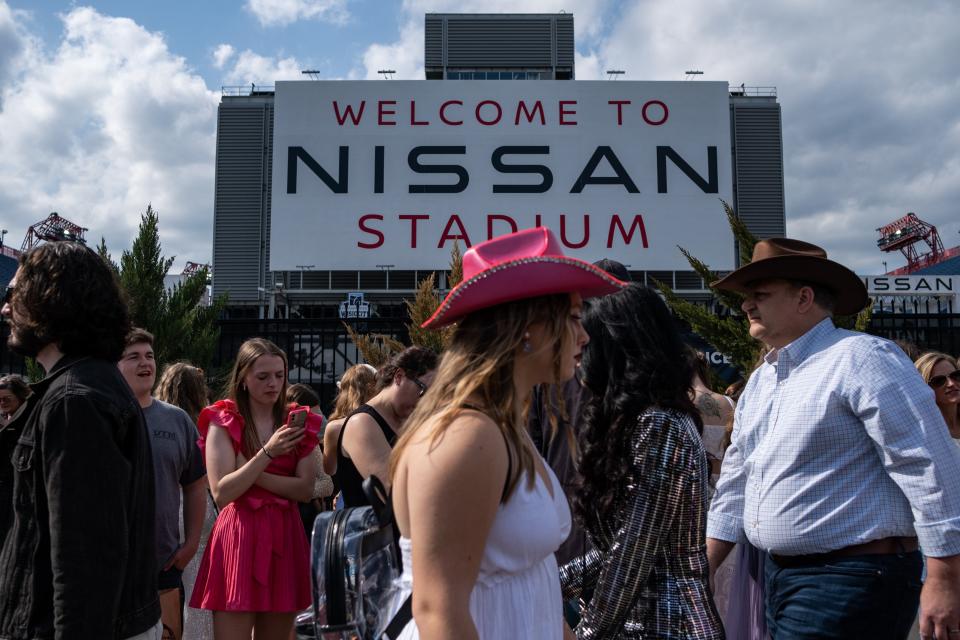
x: 170, y: 413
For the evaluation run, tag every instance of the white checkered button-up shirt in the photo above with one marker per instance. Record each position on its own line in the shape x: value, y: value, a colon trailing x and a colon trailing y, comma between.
x: 837, y: 441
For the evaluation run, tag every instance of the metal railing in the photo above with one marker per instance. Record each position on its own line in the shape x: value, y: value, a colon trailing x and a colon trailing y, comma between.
x: 761, y: 92
x: 247, y: 90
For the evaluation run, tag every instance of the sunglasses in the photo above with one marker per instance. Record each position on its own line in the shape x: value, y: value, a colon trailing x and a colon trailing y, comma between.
x: 422, y: 387
x: 8, y: 294
x: 938, y: 381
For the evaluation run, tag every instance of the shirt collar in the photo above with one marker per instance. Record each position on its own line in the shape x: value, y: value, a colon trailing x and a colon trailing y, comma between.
x: 798, y: 350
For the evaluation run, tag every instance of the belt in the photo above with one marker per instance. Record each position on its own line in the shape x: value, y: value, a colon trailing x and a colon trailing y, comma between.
x: 883, y: 546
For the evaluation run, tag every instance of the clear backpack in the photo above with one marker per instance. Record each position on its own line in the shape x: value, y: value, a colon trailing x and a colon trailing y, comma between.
x: 354, y: 568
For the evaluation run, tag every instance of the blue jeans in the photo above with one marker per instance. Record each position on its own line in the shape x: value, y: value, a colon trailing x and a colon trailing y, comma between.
x: 870, y: 596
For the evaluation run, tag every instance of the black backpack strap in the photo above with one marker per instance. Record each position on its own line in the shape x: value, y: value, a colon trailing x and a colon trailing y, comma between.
x: 403, y: 616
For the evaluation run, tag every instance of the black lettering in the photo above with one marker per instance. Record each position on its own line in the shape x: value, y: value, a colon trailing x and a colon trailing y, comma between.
x: 337, y: 186
x: 413, y: 159
x: 710, y: 185
x: 378, y: 169
x: 587, y: 177
x: 544, y: 172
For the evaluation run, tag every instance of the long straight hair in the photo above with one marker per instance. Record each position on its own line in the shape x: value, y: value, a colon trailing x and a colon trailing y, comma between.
x: 478, y: 368
x: 236, y: 391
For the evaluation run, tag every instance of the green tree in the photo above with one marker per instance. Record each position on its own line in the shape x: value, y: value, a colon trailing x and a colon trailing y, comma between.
x: 729, y: 332
x: 184, y: 329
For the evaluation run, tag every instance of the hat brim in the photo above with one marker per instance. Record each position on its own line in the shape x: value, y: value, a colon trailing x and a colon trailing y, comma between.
x: 521, y: 279
x: 849, y: 288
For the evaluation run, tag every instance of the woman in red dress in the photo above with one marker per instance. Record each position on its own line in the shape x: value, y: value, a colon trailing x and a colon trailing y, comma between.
x: 255, y: 570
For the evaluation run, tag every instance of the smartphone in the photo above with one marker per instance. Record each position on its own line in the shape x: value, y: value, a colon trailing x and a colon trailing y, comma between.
x: 297, y: 419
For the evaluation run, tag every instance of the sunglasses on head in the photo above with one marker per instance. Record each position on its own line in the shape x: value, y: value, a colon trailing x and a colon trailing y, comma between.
x: 938, y: 381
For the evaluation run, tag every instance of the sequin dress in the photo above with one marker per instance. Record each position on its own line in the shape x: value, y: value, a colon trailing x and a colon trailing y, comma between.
x: 649, y: 566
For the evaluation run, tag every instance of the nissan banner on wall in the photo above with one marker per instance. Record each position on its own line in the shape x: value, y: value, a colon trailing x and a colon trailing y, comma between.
x: 367, y: 173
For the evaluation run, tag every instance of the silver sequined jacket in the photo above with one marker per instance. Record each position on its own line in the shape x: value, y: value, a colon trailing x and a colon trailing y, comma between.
x: 649, y: 568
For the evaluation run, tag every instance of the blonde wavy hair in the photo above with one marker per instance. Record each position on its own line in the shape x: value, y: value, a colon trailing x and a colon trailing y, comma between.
x: 477, y: 370
x: 929, y: 360
x: 358, y: 384
x: 183, y: 385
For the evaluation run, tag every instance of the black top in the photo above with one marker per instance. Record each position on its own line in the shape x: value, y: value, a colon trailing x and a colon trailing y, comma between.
x: 351, y: 482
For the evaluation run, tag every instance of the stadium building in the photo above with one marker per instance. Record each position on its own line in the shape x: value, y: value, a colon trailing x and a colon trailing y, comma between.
x: 458, y: 47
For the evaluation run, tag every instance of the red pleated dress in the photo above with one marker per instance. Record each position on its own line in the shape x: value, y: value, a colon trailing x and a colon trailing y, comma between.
x: 257, y: 558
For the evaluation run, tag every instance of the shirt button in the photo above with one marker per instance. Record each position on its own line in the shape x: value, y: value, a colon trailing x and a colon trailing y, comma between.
x: 756, y: 524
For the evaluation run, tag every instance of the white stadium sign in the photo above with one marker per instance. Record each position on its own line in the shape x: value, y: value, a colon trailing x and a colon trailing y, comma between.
x: 374, y: 172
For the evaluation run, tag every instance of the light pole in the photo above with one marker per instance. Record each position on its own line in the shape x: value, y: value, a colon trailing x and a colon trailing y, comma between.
x: 386, y: 267
x: 302, y: 267
x: 3, y: 235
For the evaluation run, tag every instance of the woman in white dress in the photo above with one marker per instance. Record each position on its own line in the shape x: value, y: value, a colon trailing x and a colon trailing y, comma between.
x: 479, y: 511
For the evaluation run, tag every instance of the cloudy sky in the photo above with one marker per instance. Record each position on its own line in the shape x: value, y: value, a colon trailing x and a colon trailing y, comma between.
x: 109, y: 106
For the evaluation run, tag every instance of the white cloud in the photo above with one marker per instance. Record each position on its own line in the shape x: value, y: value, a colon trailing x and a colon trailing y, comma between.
x: 251, y: 67
x: 222, y: 55
x: 284, y: 12
x: 867, y: 90
x: 101, y: 126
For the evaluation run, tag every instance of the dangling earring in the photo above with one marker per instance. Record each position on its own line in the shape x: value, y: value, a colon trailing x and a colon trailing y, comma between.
x: 243, y: 387
x: 527, y: 347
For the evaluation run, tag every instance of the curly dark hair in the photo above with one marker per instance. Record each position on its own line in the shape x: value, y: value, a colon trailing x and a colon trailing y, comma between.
x: 636, y: 359
x: 413, y: 361
x: 66, y: 294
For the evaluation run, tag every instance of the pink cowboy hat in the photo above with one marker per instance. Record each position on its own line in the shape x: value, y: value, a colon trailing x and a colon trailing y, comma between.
x: 520, y: 265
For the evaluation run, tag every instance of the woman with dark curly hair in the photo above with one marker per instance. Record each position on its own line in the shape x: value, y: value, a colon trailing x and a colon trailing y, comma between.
x: 645, y: 479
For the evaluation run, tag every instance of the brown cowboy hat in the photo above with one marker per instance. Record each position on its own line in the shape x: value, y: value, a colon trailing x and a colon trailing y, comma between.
x: 797, y: 260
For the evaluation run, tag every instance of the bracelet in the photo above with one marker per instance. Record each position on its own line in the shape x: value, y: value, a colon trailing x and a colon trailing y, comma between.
x: 267, y: 453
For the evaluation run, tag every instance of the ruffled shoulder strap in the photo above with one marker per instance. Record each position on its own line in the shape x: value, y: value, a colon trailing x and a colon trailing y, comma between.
x: 314, y: 425
x: 223, y: 413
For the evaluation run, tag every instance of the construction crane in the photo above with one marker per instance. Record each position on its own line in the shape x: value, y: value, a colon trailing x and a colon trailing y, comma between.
x: 904, y: 234
x: 51, y: 229
x: 194, y: 267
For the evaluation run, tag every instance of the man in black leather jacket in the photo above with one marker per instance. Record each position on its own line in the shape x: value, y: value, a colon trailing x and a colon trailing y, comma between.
x: 79, y: 560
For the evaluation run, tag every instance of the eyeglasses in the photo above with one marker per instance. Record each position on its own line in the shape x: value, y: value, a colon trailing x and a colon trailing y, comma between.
x: 938, y: 381
x: 422, y: 387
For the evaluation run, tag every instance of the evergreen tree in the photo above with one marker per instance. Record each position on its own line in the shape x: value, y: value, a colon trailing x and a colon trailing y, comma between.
x: 184, y: 329
x: 724, y: 327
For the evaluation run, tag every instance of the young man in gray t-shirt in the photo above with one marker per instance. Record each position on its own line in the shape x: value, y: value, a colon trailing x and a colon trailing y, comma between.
x: 178, y: 471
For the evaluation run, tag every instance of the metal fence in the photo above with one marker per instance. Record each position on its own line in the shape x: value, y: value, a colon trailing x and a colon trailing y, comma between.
x: 931, y: 324
x: 319, y: 349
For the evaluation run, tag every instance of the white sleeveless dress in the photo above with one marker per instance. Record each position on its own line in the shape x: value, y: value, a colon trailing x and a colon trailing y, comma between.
x: 517, y: 594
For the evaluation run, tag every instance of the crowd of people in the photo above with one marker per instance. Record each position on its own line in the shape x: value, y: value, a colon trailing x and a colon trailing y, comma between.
x: 564, y: 469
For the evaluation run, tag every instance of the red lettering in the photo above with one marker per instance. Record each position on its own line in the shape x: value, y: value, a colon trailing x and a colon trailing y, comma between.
x: 413, y: 217
x: 566, y: 112
x: 619, y: 104
x: 496, y: 216
x: 413, y: 115
x: 373, y: 232
x: 647, y: 104
x: 563, y: 232
x: 443, y: 110
x: 538, y: 221
x: 637, y: 223
x: 489, y: 122
x: 537, y: 107
x: 454, y: 219
x: 382, y: 111
x: 348, y: 112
